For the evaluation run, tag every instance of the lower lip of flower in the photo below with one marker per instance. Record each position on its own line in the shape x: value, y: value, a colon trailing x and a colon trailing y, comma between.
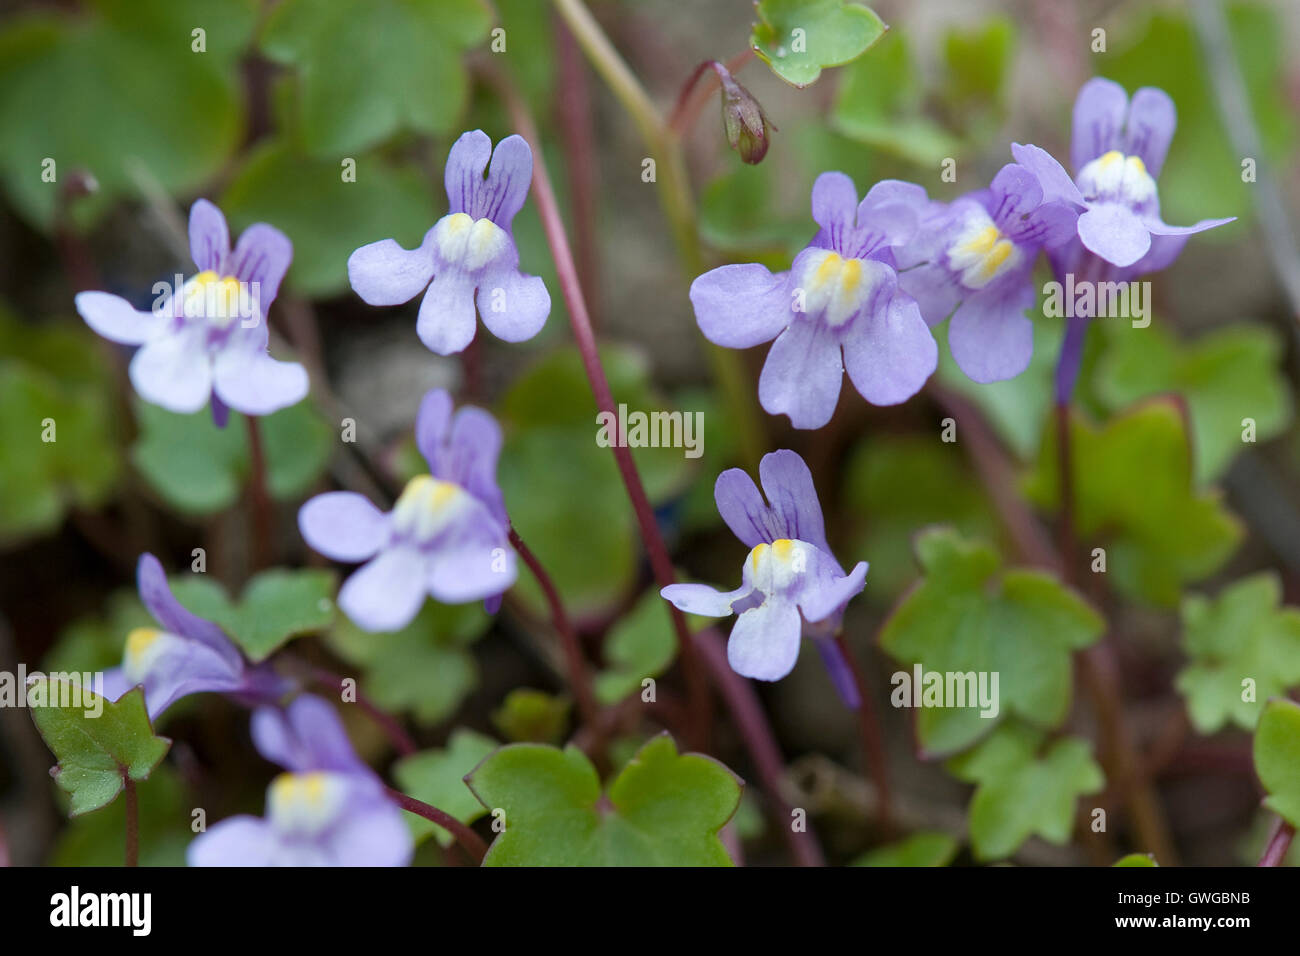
x: 426, y: 506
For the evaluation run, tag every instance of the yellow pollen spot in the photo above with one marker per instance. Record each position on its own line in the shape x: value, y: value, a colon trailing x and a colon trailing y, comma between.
x: 458, y: 222
x: 828, y: 270
x: 290, y: 789
x: 995, y: 257
x: 759, y: 553
x: 206, y: 276
x: 1137, y: 164
x: 782, y: 549
x: 983, y: 241
x: 139, y: 641
x: 851, y: 276
x: 1111, y: 158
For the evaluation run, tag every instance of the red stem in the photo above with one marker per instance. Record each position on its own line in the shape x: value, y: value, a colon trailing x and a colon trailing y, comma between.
x: 1278, y: 844
x: 469, y: 841
x: 873, y: 745
x: 687, y: 107
x: 259, y: 495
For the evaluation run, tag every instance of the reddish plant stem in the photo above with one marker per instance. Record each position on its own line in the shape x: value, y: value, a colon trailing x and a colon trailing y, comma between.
x: 385, y: 721
x: 132, y: 821
x: 1279, y: 843
x: 660, y: 562
x: 259, y: 496
x: 469, y: 841
x: 579, y: 677
x: 873, y: 744
x: 747, y: 715
x: 688, y: 107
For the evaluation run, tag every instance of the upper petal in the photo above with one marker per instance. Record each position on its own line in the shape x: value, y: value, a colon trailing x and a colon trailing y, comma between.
x: 116, y: 319
x: 1099, y: 112
x: 209, y: 237
x: 306, y: 736
x: 796, y: 511
x: 156, y: 595
x: 383, y: 273
x: 343, y: 525
x: 261, y: 258
x: 834, y: 201
x: 1052, y: 177
x: 889, y: 353
x: 740, y: 306
x: 1150, y: 127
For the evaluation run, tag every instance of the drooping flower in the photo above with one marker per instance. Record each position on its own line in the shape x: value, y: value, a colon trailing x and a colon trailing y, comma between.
x: 447, y: 535
x: 838, y: 308
x: 209, y: 338
x: 468, y: 257
x: 976, y: 256
x: 791, y: 585
x: 328, y: 809
x: 184, y: 655
x: 1117, y: 150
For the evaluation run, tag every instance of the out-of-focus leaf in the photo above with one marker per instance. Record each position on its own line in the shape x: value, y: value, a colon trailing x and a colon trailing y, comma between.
x: 1226, y: 377
x: 663, y: 809
x: 532, y: 716
x: 919, y: 849
x: 368, y: 68
x: 1136, y: 859
x: 640, y: 645
x: 799, y: 38
x: 438, y: 777
x: 1024, y: 789
x: 96, y: 839
x: 1133, y: 494
x: 1277, y: 757
x: 964, y: 618
x: 977, y: 64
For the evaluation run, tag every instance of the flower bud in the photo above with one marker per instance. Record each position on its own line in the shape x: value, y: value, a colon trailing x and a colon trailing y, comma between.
x: 743, y: 119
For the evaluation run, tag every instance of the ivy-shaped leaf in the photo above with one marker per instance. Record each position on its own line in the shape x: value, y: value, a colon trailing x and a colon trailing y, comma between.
x: 438, y: 777
x: 275, y: 606
x: 368, y: 68
x: 99, y: 744
x: 1133, y: 494
x: 663, y: 809
x: 199, y: 469
x: 1230, y: 375
x: 95, y: 839
x: 640, y: 645
x: 919, y: 849
x: 1021, y: 791
x: 1243, y: 635
x: 424, y: 669
x: 800, y: 38
x: 1277, y: 757
x: 965, y: 618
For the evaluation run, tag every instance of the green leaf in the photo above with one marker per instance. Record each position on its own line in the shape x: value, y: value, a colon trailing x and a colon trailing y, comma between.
x: 663, y: 809
x: 640, y: 645
x: 800, y: 38
x: 52, y: 386
x: 532, y: 716
x: 1227, y: 376
x: 105, y: 80
x: 919, y: 849
x: 1136, y: 859
x: 368, y: 68
x: 1277, y: 757
x: 276, y: 606
x: 1021, y: 791
x: 98, y: 743
x: 94, y: 642
x: 977, y: 65
x: 964, y: 617
x: 737, y: 214
x: 1242, y: 635
x: 438, y: 777
x: 556, y: 478
x: 426, y: 668
x: 895, y: 485
x: 199, y: 469
x: 96, y: 839
x: 1133, y: 494
x: 325, y: 216
x: 879, y: 103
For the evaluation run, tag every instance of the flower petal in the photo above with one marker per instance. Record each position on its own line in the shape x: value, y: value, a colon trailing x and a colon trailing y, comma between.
x: 830, y: 595
x: 173, y: 371
x: 372, y: 835
x: 116, y: 319
x: 256, y: 384
x: 446, y: 322
x: 743, y: 508
x: 1052, y: 177
x: 236, y: 841
x: 431, y: 430
x: 1150, y: 127
x: 1158, y: 227
x: 261, y: 258
x: 386, y: 593
x: 834, y: 201
x: 175, y: 667
x: 1099, y: 112
x: 306, y: 736
x: 514, y: 306
x: 383, y: 273
x: 795, y: 510
x: 474, y: 450
x: 889, y: 353
x: 990, y: 337
x: 459, y: 574
x: 764, y: 642
x: 702, y: 599
x: 209, y: 237
x: 802, y: 375
x: 343, y: 525
x: 463, y: 175
x: 156, y: 595
x: 502, y: 194
x: 1114, y: 232
x: 740, y: 306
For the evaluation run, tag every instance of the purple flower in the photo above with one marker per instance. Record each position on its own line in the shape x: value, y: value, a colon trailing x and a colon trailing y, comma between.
x: 329, y: 809
x: 841, y: 295
x: 976, y: 256
x: 792, y: 586
x: 469, y: 254
x: 211, y: 338
x: 1117, y: 149
x: 447, y: 535
x: 184, y: 655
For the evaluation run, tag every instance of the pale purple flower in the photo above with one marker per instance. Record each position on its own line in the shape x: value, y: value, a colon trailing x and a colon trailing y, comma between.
x: 838, y: 308
x: 184, y: 655
x: 468, y: 257
x: 792, y: 586
x: 1117, y: 150
x: 447, y: 535
x: 329, y: 809
x: 211, y: 338
x: 974, y: 258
